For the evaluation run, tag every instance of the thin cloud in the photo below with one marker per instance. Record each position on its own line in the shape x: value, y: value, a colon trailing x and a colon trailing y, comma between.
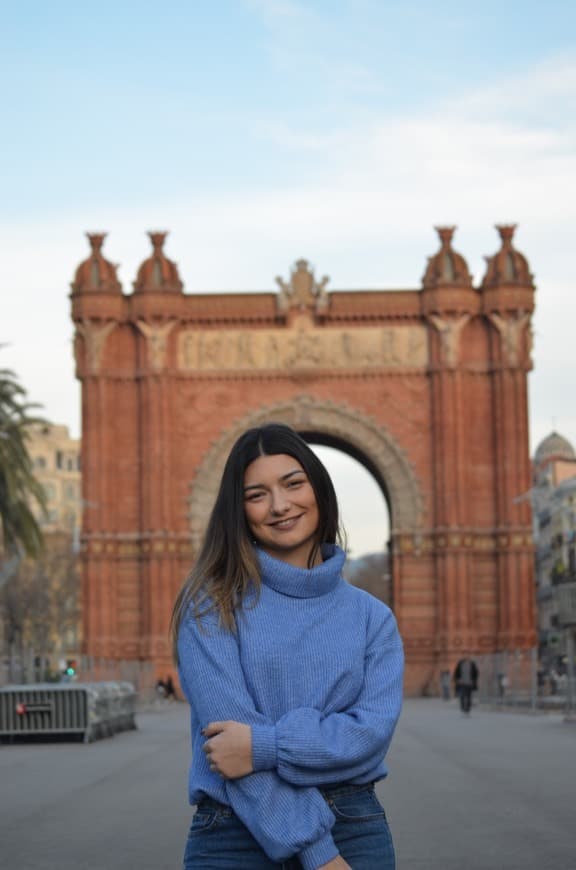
x: 545, y: 91
x: 279, y: 10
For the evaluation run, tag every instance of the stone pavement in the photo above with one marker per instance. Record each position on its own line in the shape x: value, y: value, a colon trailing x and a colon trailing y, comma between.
x: 493, y: 791
x: 496, y: 791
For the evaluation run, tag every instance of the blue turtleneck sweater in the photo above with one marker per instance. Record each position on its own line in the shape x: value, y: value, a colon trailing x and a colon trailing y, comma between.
x: 315, y: 667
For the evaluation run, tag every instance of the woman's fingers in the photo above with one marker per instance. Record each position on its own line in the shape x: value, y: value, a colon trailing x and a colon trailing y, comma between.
x: 229, y: 748
x: 214, y: 728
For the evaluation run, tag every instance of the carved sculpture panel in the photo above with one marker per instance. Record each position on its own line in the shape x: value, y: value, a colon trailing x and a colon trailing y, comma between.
x: 157, y: 336
x: 303, y: 348
x: 511, y: 330
x: 94, y: 336
x: 449, y: 329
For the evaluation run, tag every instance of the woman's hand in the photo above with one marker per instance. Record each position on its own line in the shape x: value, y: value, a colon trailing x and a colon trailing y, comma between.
x: 336, y: 864
x: 229, y: 748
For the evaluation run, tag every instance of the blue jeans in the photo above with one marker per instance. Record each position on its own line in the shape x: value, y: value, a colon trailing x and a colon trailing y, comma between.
x: 219, y: 841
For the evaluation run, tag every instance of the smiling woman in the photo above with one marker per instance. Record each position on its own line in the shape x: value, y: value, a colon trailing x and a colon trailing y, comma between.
x: 281, y: 508
x: 294, y: 703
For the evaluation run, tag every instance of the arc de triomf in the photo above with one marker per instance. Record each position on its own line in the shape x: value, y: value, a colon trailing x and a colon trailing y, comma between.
x: 426, y: 387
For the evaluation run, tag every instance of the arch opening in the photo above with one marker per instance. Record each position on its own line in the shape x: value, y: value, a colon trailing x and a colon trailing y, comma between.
x: 325, y: 439
x: 365, y: 516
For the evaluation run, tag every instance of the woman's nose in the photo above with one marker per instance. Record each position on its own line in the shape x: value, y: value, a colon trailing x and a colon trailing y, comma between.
x: 280, y: 503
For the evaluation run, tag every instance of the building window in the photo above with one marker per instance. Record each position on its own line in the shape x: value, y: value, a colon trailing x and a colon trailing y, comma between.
x: 59, y: 459
x: 50, y: 491
x: 70, y: 464
x: 40, y: 462
x: 70, y: 492
x: 78, y: 462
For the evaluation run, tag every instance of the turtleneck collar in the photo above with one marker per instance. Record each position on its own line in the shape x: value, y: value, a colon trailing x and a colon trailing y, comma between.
x: 303, y: 582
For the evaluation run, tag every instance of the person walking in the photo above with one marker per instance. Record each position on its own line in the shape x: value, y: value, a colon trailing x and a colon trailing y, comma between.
x: 170, y: 688
x: 466, y: 682
x: 293, y: 676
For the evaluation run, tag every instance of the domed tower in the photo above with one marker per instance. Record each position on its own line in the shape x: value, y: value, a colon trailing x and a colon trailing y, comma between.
x: 104, y: 370
x: 447, y: 268
x: 508, y: 267
x: 554, y: 446
x: 158, y: 274
x: 508, y: 301
x: 97, y: 306
x: 448, y: 301
x: 96, y: 274
x: 157, y: 307
x: 126, y: 354
x: 507, y: 293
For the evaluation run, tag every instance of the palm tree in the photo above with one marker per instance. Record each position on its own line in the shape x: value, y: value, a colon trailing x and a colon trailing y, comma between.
x: 19, y: 489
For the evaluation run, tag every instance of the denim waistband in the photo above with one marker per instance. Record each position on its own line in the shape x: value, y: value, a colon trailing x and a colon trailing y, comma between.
x: 339, y: 789
x: 208, y: 803
x: 343, y: 788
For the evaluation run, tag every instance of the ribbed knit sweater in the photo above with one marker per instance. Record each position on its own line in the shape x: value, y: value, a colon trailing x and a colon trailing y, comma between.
x: 315, y: 667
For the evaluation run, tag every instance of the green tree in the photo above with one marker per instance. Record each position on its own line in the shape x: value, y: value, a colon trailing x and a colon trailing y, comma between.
x: 19, y: 489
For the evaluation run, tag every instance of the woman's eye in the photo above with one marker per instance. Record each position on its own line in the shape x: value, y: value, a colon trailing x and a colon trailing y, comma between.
x: 294, y: 483
x: 254, y: 496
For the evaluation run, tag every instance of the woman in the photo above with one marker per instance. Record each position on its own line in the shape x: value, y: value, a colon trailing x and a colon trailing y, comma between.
x: 294, y: 677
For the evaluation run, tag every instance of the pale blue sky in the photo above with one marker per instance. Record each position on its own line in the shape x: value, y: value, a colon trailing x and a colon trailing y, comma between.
x: 125, y: 102
x: 260, y: 131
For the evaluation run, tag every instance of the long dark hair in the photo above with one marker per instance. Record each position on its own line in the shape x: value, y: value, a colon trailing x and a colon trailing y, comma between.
x: 227, y: 565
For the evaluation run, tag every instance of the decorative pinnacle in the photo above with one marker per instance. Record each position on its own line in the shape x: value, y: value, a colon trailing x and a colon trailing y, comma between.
x: 96, y: 241
x: 446, y: 234
x: 157, y: 240
x: 506, y: 233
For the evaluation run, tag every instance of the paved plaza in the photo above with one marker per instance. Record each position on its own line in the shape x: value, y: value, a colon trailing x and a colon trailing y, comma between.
x: 495, y: 791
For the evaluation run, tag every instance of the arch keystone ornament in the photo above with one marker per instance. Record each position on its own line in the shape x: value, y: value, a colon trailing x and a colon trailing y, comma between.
x: 426, y: 387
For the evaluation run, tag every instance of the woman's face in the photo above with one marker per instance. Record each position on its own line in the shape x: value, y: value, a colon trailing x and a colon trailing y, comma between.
x: 281, y: 508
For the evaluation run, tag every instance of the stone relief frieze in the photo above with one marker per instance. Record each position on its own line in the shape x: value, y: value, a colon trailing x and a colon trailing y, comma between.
x: 303, y: 348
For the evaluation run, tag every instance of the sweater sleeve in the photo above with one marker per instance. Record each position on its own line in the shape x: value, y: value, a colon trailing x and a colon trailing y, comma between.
x: 283, y: 819
x: 307, y: 747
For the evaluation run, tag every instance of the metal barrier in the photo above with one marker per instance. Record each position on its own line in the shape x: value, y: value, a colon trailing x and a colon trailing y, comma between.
x: 24, y: 668
x: 89, y: 710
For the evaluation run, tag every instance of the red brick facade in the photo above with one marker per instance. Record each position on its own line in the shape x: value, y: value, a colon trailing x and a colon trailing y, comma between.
x: 427, y: 387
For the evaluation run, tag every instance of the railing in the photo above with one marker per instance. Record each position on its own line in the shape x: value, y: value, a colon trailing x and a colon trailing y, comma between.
x: 516, y: 679
x: 23, y: 670
x: 86, y: 710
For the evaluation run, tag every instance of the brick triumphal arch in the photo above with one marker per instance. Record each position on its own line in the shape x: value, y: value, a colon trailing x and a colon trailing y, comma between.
x: 426, y: 387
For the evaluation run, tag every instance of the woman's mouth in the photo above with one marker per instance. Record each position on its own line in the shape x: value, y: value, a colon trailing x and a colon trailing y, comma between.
x: 285, y: 525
